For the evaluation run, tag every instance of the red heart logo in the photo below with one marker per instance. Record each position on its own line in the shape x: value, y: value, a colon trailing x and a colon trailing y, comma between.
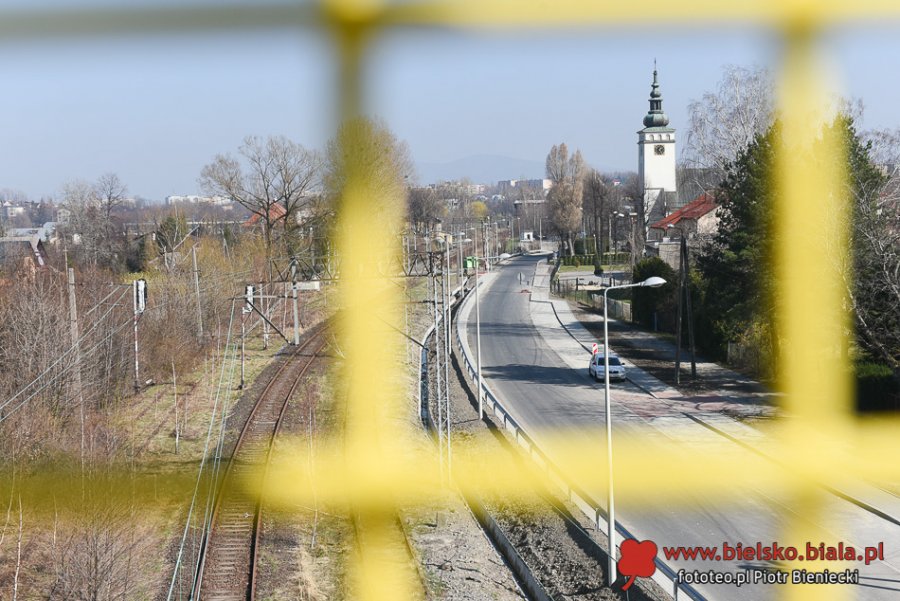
x: 637, y: 560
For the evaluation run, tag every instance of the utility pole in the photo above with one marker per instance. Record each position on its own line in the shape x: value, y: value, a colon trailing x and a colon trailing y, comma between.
x: 265, y: 324
x: 437, y: 371
x: 296, y: 315
x: 296, y: 309
x: 690, y: 316
x: 684, y: 289
x: 73, y: 332
x: 248, y: 308
x: 140, y: 304
x: 197, y: 291
x: 678, y: 312
x: 447, y: 332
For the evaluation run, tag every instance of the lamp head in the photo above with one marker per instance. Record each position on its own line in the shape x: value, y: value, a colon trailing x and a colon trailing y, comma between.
x: 653, y: 282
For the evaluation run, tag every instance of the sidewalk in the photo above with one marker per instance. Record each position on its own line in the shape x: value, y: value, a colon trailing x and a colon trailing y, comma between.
x: 732, y: 396
x: 724, y: 391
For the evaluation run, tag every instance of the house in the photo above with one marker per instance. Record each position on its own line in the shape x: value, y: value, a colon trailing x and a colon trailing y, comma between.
x: 45, y: 233
x: 696, y: 221
x: 276, y: 214
x: 25, y: 252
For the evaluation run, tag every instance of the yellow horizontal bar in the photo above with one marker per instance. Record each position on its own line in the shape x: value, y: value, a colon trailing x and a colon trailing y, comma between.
x: 378, y: 479
x: 586, y: 13
x: 497, y: 14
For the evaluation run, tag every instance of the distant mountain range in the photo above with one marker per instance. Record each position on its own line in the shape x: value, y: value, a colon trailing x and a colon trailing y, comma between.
x: 480, y: 169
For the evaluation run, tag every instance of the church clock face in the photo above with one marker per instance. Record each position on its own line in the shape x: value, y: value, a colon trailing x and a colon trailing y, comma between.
x: 659, y: 149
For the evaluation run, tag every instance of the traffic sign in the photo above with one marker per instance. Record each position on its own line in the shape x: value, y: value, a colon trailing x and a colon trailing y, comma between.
x: 595, y: 349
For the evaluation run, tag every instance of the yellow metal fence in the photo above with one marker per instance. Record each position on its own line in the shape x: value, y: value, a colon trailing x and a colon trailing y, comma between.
x: 822, y: 441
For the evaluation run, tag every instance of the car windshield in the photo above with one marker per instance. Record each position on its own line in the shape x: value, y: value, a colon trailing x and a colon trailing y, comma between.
x: 613, y: 361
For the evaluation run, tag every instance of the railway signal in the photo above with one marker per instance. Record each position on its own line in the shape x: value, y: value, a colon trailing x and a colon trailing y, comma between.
x: 139, y: 295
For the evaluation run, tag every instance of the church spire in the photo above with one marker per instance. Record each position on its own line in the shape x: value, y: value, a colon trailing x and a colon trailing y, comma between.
x: 655, y: 117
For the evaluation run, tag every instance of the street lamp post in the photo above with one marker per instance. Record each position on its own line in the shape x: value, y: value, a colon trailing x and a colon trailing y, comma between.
x: 652, y: 282
x: 478, y: 340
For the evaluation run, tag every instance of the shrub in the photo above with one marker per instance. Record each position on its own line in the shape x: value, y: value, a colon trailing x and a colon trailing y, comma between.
x: 876, y: 387
x: 647, y: 301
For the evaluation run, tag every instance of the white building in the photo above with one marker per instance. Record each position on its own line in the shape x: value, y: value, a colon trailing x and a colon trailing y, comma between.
x: 195, y: 199
x: 506, y: 185
x: 656, y: 159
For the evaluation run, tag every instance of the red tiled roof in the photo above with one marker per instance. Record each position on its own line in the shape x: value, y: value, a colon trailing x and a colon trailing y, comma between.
x: 276, y: 212
x: 695, y: 209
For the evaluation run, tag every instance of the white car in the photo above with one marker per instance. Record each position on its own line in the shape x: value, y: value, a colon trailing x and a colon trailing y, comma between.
x: 616, y: 368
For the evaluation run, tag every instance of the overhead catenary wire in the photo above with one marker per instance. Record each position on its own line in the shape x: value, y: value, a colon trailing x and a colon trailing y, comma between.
x: 203, y: 460
x: 62, y: 356
x: 4, y: 415
x: 216, y: 469
x: 210, y: 284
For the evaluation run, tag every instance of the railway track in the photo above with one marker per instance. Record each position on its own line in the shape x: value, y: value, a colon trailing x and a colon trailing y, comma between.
x: 227, y: 566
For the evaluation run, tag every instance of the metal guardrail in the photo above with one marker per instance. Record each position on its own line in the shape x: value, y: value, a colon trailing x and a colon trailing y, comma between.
x: 665, y: 576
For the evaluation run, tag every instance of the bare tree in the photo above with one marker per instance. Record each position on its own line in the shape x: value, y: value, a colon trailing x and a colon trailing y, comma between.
x: 424, y: 207
x: 92, y: 225
x: 631, y: 194
x: 565, y: 197
x: 875, y: 286
x: 381, y: 163
x: 722, y: 123
x: 110, y: 193
x: 275, y: 172
x: 595, y: 203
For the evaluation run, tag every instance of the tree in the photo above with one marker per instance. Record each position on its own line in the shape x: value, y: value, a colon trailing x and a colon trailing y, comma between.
x: 268, y: 173
x: 93, y: 205
x: 424, y: 207
x: 381, y: 162
x: 110, y: 193
x: 735, y: 267
x: 596, y: 204
x: 649, y: 303
x: 478, y: 209
x: 736, y: 263
x: 565, y: 197
x: 631, y: 193
x: 875, y: 288
x: 723, y: 123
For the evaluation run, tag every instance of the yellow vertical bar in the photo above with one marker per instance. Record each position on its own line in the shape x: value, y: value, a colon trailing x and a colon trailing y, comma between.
x: 810, y: 186
x: 370, y: 213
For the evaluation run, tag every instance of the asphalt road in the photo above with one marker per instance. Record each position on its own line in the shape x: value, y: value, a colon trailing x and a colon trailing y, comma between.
x: 545, y: 393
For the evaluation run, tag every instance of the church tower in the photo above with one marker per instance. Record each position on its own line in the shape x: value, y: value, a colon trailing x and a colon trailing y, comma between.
x: 656, y: 159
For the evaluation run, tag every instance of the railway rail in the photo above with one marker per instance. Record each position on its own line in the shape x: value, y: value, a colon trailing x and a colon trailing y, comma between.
x: 227, y: 567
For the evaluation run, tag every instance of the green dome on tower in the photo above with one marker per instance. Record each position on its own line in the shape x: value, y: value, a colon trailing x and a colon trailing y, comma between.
x: 656, y: 117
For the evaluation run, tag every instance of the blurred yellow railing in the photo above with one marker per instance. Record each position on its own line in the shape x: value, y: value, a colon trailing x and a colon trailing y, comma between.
x: 821, y: 439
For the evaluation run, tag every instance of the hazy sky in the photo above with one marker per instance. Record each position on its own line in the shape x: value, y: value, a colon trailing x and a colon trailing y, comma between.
x: 156, y: 108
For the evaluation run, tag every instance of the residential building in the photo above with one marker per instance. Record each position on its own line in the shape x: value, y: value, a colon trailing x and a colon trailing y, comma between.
x: 697, y: 221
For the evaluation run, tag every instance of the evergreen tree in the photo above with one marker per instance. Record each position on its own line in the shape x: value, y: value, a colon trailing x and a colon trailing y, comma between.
x: 737, y: 285
x: 735, y: 266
